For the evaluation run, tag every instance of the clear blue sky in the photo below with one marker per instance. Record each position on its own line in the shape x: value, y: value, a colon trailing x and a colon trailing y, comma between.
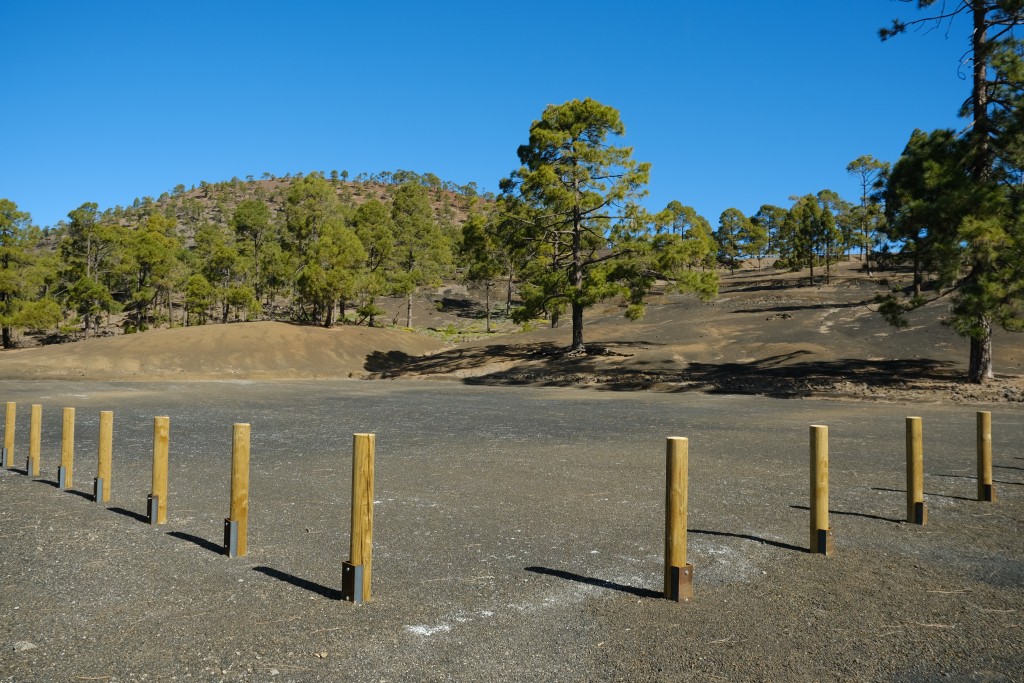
x: 735, y: 104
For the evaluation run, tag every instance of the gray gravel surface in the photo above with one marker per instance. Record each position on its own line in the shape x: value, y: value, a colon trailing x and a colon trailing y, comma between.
x: 518, y: 537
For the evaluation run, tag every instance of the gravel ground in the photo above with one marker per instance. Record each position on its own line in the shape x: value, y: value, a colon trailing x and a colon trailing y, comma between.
x: 518, y: 537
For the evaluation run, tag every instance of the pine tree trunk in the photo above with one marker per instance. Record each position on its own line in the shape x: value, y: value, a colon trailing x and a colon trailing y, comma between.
x: 577, y: 328
x: 508, y: 297
x: 981, y: 355
x: 408, y: 310
x: 576, y: 280
x: 328, y: 316
x: 8, y: 339
x: 487, y: 301
x: 918, y: 277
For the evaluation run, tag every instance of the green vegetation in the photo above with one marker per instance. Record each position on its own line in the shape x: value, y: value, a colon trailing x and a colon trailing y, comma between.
x: 954, y: 202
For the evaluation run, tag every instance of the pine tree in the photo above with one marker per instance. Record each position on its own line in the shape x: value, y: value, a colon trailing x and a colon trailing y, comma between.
x: 592, y: 239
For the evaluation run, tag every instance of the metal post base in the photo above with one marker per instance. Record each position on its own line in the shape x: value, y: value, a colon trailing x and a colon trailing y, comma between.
x: 825, y: 543
x: 230, y: 538
x: 153, y: 509
x: 3, y: 456
x: 97, y: 490
x: 28, y: 468
x: 352, y: 582
x: 987, y: 493
x: 919, y: 515
x: 680, y: 586
x: 62, y: 478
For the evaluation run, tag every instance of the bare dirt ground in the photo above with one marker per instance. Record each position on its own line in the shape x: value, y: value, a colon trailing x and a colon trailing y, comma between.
x: 518, y: 519
x: 768, y: 333
x: 518, y: 537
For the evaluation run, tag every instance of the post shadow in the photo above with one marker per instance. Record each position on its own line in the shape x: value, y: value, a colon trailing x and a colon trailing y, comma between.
x: 304, y: 584
x: 600, y: 583
x: 137, y: 516
x: 937, y: 495
x: 964, y: 476
x: 748, y: 537
x: 854, y: 514
x: 198, y: 540
x: 80, y: 494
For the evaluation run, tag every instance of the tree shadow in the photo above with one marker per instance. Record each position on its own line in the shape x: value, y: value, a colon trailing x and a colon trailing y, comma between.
x: 853, y: 514
x: 198, y: 540
x: 748, y: 537
x: 806, y: 307
x: 600, y: 583
x: 304, y: 584
x: 137, y: 516
x: 1008, y: 467
x: 545, y: 364
x: 927, y: 493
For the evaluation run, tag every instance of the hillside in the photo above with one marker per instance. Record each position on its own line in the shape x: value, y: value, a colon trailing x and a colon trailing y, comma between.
x: 766, y: 334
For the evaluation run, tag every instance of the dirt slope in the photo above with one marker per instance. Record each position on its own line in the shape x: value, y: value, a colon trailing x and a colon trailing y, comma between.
x: 767, y: 333
x: 261, y: 350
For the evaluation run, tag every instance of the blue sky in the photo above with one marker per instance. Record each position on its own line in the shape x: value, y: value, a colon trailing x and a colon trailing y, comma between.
x: 735, y: 104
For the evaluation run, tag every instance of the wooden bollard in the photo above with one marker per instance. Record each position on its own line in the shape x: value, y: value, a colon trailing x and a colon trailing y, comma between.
x: 67, y: 450
x: 355, y: 578
x: 35, y: 431
x: 678, y: 573
x: 917, y: 513
x: 156, y: 504
x: 236, y: 526
x: 821, y: 536
x: 986, y: 489
x: 12, y: 409
x: 101, y: 487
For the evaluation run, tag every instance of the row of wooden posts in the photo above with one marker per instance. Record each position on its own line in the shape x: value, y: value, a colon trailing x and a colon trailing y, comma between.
x: 679, y: 573
x: 356, y: 572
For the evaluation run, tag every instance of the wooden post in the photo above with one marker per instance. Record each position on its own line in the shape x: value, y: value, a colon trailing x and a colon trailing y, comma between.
x: 821, y: 535
x: 986, y: 490
x: 236, y: 526
x: 917, y: 513
x: 161, y: 446
x: 359, y: 564
x: 35, y: 430
x: 67, y: 450
x: 106, y: 448
x: 12, y: 409
x: 678, y: 574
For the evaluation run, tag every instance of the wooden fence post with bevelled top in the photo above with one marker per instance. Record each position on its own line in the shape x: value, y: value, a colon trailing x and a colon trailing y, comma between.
x: 236, y: 526
x: 917, y: 513
x: 12, y: 409
x: 65, y: 472
x: 678, y: 573
x: 355, y: 584
x: 821, y: 535
x: 156, y: 504
x: 102, y: 484
x: 986, y: 488
x: 35, y: 431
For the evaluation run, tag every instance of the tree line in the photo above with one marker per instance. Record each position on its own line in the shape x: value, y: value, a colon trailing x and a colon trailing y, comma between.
x: 320, y: 249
